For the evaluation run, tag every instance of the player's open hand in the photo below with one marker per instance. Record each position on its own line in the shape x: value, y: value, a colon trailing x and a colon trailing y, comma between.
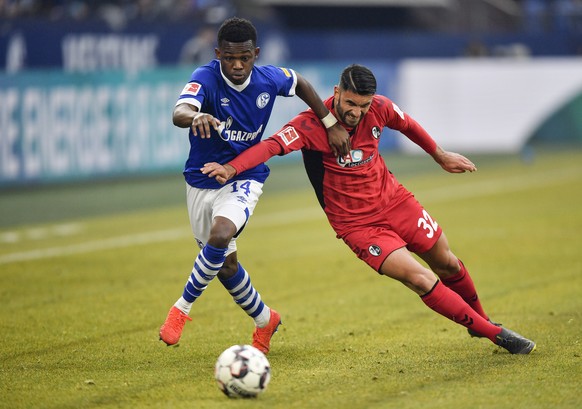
x: 201, y: 124
x: 221, y: 173
x: 453, y: 162
x: 339, y: 140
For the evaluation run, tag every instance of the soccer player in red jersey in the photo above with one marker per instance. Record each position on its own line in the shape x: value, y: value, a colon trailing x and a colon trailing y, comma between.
x: 370, y: 210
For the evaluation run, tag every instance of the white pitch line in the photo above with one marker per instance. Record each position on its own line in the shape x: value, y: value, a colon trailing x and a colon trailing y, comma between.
x: 469, y: 190
x: 96, y: 245
x: 41, y: 233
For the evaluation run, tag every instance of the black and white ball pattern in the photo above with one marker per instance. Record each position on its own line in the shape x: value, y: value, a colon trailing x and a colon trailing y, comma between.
x: 242, y: 371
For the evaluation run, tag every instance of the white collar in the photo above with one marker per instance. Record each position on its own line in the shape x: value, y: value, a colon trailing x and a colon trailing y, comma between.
x: 231, y: 84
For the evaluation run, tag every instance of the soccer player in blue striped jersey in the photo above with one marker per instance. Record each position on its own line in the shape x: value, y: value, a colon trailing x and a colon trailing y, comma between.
x: 226, y: 106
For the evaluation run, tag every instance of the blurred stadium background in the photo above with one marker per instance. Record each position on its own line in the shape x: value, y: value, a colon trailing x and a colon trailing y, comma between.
x: 87, y: 87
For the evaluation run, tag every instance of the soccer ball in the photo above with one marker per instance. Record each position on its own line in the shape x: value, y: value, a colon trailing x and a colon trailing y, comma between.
x: 242, y: 371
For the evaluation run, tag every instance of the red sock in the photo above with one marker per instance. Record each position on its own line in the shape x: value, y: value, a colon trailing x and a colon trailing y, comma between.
x: 450, y: 304
x: 462, y: 284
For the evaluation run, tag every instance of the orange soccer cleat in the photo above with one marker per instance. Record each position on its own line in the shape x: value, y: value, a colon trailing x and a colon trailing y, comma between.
x: 171, y: 330
x: 262, y: 336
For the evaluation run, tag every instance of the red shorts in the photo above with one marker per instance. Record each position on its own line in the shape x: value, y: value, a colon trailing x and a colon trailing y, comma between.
x: 403, y: 223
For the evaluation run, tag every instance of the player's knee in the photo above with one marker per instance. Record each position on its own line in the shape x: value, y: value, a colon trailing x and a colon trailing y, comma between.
x: 445, y: 271
x: 219, y: 241
x: 418, y: 280
x: 221, y: 233
x: 451, y: 268
x: 445, y: 265
x: 220, y: 237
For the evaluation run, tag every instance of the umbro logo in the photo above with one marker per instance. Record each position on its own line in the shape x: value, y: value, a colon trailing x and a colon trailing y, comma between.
x: 225, y: 101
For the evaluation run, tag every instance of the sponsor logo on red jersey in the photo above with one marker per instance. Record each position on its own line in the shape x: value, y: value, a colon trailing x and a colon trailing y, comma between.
x: 288, y: 135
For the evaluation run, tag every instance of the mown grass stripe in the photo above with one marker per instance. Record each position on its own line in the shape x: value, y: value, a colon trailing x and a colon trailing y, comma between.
x: 440, y: 195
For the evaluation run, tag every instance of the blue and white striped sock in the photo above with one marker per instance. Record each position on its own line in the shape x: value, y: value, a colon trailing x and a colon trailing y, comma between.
x: 206, y: 267
x: 245, y: 295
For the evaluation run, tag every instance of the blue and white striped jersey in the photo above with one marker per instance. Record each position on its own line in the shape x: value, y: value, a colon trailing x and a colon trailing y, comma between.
x: 243, y: 110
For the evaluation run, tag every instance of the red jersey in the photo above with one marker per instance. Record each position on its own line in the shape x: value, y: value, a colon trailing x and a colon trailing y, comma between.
x: 351, y: 188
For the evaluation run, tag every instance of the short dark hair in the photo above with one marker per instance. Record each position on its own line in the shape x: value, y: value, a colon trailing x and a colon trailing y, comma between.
x: 237, y: 30
x: 359, y: 79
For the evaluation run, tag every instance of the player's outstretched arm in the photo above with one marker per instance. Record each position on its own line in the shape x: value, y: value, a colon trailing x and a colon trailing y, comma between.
x: 186, y: 116
x: 337, y: 136
x: 453, y: 162
x: 222, y: 173
x: 248, y: 159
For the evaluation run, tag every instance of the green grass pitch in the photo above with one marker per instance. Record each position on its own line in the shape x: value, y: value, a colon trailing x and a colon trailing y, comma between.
x: 88, y: 272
